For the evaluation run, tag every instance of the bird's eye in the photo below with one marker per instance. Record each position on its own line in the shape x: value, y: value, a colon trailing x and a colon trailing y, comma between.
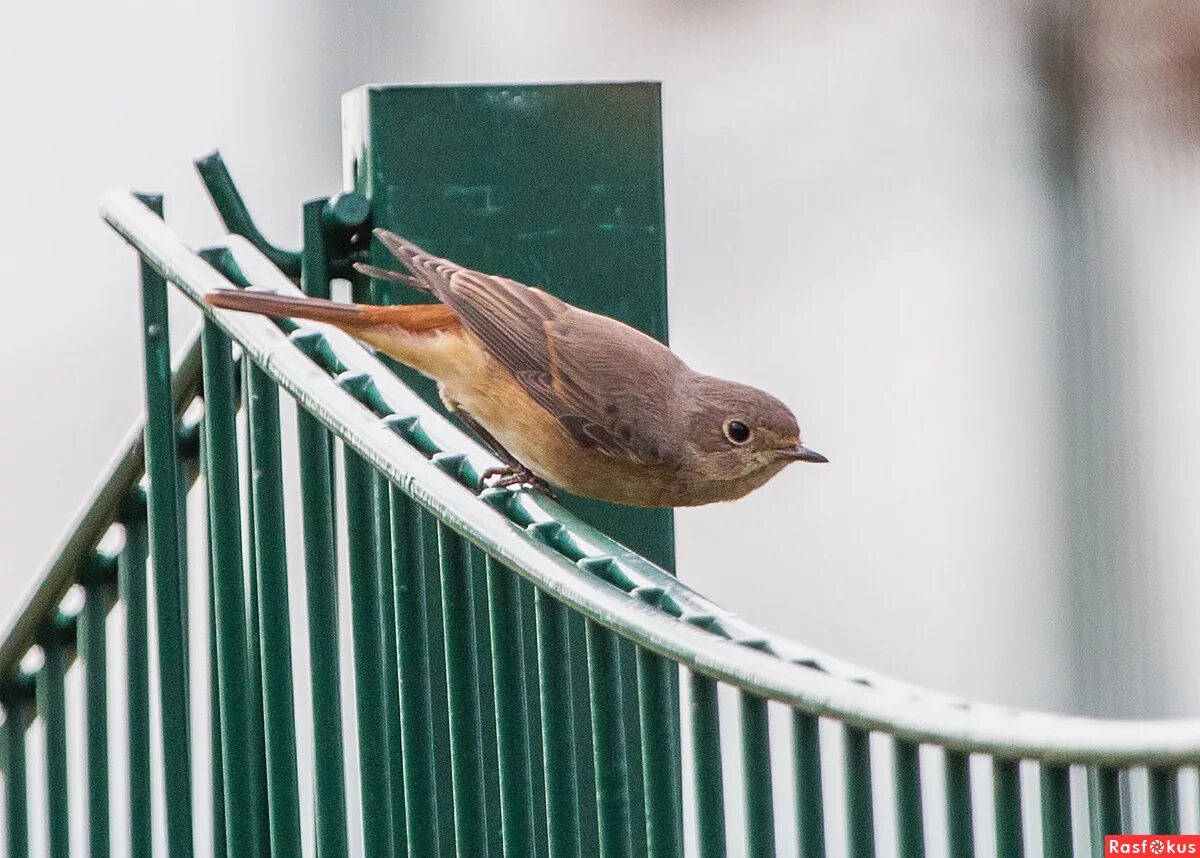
x: 737, y: 431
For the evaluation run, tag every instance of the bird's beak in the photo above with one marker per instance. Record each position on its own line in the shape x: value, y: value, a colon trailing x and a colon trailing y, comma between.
x: 800, y: 453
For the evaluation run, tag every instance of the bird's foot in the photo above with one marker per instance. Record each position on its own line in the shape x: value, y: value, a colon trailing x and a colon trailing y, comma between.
x: 504, y: 476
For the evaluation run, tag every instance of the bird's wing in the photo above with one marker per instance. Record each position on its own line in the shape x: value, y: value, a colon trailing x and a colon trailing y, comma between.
x: 603, y: 381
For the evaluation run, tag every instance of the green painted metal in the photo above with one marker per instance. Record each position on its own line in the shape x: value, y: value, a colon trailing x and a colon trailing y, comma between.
x: 439, y: 705
x: 93, y: 651
x: 382, y: 532
x: 810, y: 802
x: 1164, y: 800
x: 756, y: 774
x: 255, y: 705
x: 706, y: 760
x: 266, y: 490
x: 131, y: 576
x: 488, y: 735
x: 220, y: 836
x: 910, y: 821
x: 608, y: 742
x: 16, y: 802
x: 1006, y: 798
x: 1056, y: 811
x: 961, y: 833
x: 558, y: 721
x: 585, y: 759
x: 320, y: 569
x: 1104, y: 787
x: 515, y: 756
x: 366, y: 608
x: 462, y: 682
x: 225, y: 529
x: 663, y: 799
x: 533, y: 715
x: 860, y: 813
x: 631, y: 706
x: 169, y: 584
x: 52, y: 708
x: 416, y: 726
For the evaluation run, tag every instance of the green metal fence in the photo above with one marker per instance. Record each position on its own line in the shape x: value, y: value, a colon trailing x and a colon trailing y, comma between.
x: 514, y: 674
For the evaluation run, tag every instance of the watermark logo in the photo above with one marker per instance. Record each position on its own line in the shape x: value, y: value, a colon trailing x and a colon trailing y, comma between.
x: 1152, y: 844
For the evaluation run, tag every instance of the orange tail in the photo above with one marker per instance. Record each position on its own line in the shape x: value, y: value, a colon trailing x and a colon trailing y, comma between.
x: 352, y: 318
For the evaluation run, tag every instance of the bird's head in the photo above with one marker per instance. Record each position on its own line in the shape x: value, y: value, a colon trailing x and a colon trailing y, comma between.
x: 739, y: 435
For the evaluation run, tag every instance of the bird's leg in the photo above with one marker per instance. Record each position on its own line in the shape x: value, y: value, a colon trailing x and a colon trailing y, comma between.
x: 512, y: 472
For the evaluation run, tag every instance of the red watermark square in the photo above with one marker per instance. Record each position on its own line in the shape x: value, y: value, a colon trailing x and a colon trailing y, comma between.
x: 1152, y: 844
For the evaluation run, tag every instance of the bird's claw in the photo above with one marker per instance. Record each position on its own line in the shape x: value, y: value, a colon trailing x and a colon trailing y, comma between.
x: 504, y: 476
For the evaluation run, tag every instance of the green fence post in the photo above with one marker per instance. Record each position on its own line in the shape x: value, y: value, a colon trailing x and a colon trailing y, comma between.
x: 910, y: 821
x: 706, y: 758
x: 131, y: 581
x: 369, y: 688
x: 16, y: 803
x: 52, y: 707
x: 169, y: 585
x: 810, y: 796
x: 93, y: 652
x: 458, y: 617
x: 225, y: 528
x: 320, y: 570
x: 420, y: 775
x: 266, y: 486
x: 1006, y: 792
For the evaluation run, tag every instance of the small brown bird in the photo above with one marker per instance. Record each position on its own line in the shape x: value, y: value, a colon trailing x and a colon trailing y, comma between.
x: 562, y: 395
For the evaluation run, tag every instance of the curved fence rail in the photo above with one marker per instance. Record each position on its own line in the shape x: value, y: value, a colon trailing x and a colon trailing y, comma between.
x: 508, y: 677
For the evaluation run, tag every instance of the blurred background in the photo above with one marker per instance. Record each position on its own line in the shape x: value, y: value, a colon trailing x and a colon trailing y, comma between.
x: 965, y: 244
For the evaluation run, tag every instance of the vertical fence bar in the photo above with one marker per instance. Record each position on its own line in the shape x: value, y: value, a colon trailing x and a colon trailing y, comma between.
x: 16, y: 803
x: 860, y: 815
x: 320, y: 571
x: 52, y: 706
x: 220, y: 836
x: 512, y: 723
x: 382, y: 530
x: 810, y: 798
x: 438, y: 703
x: 608, y: 742
x: 420, y: 779
x: 706, y: 757
x: 756, y: 768
x: 169, y: 585
x: 257, y: 732
x: 1006, y: 796
x: 1105, y: 787
x: 270, y: 543
x: 585, y: 762
x: 487, y: 699
x: 131, y: 577
x: 554, y: 675
x: 533, y: 715
x: 93, y: 650
x: 664, y: 811
x: 1164, y: 799
x: 632, y: 706
x: 225, y: 542
x: 462, y: 683
x: 365, y: 606
x: 1056, y: 811
x: 910, y: 821
x: 960, y: 829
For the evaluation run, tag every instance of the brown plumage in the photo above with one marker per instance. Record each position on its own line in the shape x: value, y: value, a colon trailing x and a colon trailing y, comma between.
x: 574, y: 398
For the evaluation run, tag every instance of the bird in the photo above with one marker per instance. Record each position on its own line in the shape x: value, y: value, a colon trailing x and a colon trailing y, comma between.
x: 563, y: 396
